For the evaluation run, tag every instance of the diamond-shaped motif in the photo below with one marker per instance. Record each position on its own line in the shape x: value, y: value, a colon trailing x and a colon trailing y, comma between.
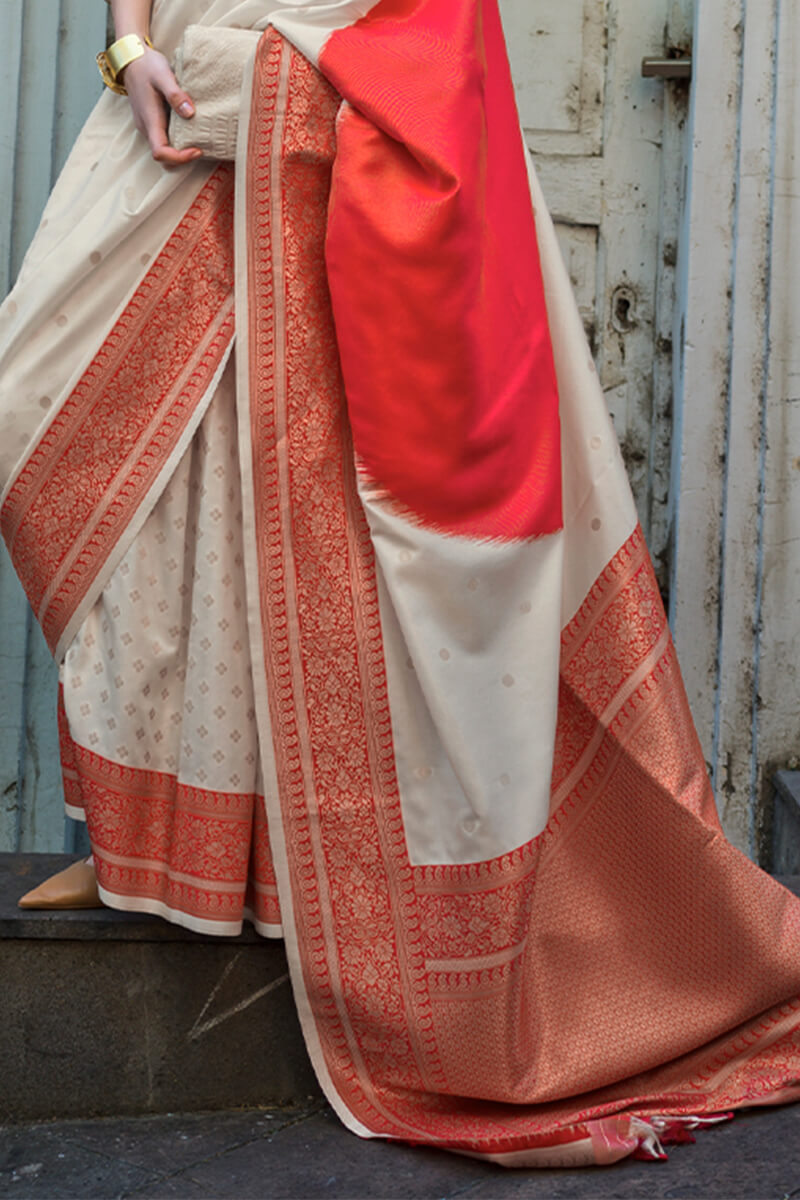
x: 194, y: 601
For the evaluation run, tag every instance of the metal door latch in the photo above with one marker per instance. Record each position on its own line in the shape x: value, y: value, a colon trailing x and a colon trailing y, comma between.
x: 667, y: 68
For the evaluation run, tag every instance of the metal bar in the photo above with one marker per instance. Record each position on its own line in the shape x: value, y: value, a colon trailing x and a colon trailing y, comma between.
x: 667, y: 68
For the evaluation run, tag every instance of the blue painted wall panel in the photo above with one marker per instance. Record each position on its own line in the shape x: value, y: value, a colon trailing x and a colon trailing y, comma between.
x: 48, y: 84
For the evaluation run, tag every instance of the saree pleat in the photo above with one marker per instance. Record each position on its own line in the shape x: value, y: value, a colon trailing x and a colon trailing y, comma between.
x: 158, y: 722
x: 452, y: 763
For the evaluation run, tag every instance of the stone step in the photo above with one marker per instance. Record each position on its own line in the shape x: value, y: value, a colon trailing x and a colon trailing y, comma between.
x: 109, y: 1014
x: 117, y: 1014
x: 786, y: 823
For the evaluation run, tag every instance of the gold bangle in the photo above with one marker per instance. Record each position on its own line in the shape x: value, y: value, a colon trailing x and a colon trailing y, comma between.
x: 113, y: 61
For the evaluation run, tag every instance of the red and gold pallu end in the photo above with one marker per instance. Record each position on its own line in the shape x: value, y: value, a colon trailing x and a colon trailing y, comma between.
x: 622, y: 703
x: 620, y: 976
x: 434, y: 273
x: 86, y: 483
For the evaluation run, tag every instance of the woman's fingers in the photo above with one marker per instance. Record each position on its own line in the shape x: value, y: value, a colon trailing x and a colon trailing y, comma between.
x: 180, y: 102
x: 151, y: 84
x: 151, y: 119
x: 168, y: 156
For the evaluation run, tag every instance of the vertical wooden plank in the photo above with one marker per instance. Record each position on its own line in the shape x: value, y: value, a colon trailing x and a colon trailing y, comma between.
x: 736, y: 750
x: 11, y: 41
x: 778, y: 673
x: 12, y: 676
x: 674, y: 156
x: 47, y: 91
x: 701, y: 399
x: 41, y: 824
x: 12, y: 604
x: 82, y: 34
x: 34, y: 152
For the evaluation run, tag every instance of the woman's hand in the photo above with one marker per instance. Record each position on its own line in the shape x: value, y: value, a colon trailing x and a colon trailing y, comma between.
x: 151, y: 85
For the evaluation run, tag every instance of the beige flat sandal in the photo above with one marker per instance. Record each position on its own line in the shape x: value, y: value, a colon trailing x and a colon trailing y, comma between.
x: 75, y: 887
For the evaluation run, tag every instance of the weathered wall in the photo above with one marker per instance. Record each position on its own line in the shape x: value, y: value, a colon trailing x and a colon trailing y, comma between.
x: 778, y: 665
x: 730, y: 532
x: 736, y: 468
x: 47, y: 86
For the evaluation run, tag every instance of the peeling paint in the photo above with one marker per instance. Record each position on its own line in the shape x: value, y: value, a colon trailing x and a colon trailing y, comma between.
x: 736, y: 570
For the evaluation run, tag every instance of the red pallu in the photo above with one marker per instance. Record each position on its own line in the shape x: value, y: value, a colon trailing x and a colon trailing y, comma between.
x: 551, y: 985
x: 431, y: 235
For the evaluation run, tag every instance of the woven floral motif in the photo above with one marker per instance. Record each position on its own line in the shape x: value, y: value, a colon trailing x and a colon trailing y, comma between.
x: 97, y: 460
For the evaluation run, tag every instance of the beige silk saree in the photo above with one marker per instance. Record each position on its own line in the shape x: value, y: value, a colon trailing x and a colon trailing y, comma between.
x: 308, y: 476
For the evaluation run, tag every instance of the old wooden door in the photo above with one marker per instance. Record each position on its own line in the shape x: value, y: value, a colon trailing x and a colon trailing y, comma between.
x: 609, y: 148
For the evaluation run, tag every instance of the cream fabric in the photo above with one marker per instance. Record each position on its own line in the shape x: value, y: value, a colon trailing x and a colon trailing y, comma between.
x: 210, y: 60
x: 471, y: 636
x: 158, y: 677
x: 210, y: 64
x: 472, y: 630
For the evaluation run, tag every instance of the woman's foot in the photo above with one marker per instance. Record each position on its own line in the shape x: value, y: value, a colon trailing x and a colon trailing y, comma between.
x: 76, y: 887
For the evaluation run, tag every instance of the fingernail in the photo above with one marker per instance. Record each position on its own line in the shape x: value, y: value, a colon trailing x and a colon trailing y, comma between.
x: 186, y: 109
